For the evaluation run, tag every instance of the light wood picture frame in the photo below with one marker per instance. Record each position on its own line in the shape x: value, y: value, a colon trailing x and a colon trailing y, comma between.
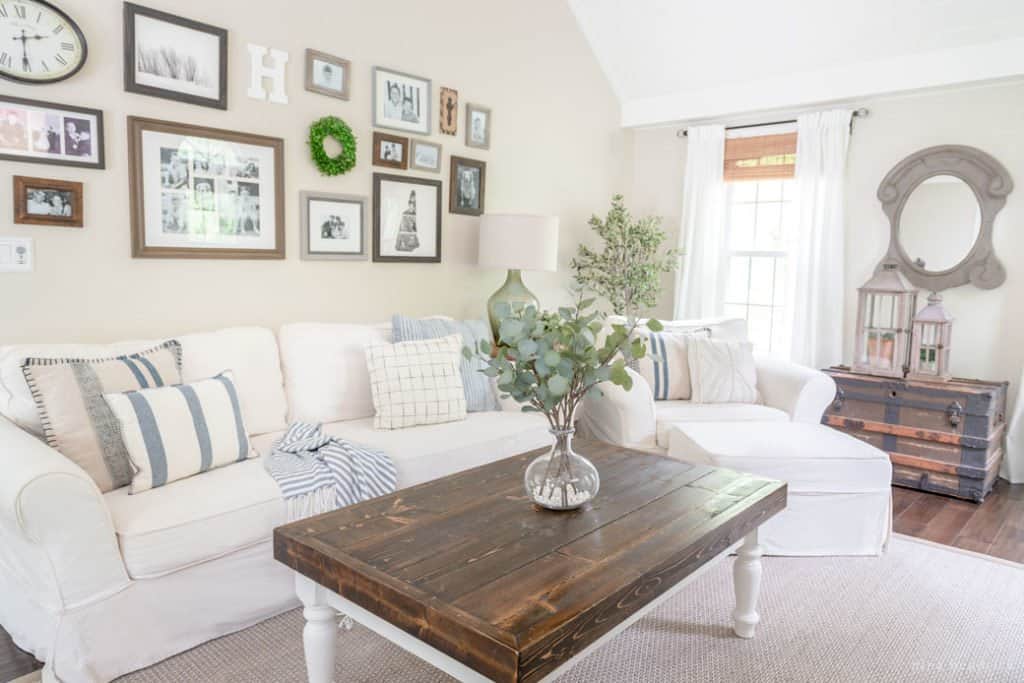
x: 199, y: 192
x: 47, y: 201
x: 327, y: 74
x: 425, y: 156
x: 391, y: 151
x: 333, y: 227
x: 402, y: 101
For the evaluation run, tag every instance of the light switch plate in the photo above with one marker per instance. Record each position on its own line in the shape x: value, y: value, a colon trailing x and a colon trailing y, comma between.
x: 16, y: 254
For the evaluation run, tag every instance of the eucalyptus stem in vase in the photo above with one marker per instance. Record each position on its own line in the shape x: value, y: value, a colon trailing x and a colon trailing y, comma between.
x: 549, y: 361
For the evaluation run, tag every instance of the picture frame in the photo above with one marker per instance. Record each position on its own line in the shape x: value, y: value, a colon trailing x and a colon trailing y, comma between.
x: 327, y: 74
x: 478, y: 126
x: 401, y: 101
x: 50, y: 133
x: 333, y: 227
x: 175, y: 58
x: 406, y: 219
x: 47, y: 201
x: 448, y: 111
x: 467, y: 184
x: 200, y: 192
x: 425, y: 156
x: 390, y: 150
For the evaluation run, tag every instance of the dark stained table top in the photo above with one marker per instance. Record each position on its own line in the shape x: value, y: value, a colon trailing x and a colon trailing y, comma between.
x: 468, y: 565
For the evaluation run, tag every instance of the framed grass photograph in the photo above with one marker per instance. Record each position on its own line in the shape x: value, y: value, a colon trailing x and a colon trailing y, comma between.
x: 46, y: 201
x: 201, y: 192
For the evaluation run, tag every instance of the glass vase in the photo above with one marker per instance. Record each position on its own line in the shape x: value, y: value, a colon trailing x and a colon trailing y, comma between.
x: 562, y: 479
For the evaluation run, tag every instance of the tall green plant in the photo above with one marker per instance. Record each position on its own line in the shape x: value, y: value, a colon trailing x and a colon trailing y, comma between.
x: 627, y: 271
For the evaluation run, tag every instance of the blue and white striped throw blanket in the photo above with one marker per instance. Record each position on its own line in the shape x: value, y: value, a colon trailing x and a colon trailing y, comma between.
x: 319, y: 473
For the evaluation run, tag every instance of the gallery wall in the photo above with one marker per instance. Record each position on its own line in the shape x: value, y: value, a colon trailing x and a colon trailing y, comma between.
x: 988, y: 336
x: 556, y: 148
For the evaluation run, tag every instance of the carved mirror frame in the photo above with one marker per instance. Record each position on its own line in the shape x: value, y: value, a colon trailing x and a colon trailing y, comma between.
x: 990, y: 182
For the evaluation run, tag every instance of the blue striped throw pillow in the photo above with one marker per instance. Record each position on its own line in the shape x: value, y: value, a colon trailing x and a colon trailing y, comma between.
x: 666, y: 367
x: 480, y: 395
x: 177, y: 431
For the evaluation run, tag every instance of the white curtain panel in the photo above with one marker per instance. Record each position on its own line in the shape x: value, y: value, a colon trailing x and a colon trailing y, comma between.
x: 816, y: 272
x: 700, y: 285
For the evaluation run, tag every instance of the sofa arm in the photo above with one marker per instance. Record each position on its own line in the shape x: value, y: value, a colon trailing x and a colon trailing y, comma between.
x: 803, y: 393
x: 58, y: 536
x: 624, y: 418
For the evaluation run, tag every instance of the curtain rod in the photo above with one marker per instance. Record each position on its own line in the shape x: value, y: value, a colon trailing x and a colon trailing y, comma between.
x: 857, y: 113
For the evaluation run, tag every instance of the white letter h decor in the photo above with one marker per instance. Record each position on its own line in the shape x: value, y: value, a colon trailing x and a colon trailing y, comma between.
x: 258, y: 71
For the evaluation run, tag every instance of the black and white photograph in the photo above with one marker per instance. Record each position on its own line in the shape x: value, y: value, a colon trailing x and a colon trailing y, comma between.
x: 478, y: 126
x: 47, y: 201
x: 50, y: 133
x: 174, y: 57
x: 390, y: 150
x: 466, y: 186
x: 205, y: 193
x: 333, y: 226
x: 401, y: 102
x: 425, y: 156
x: 406, y: 219
x: 327, y: 74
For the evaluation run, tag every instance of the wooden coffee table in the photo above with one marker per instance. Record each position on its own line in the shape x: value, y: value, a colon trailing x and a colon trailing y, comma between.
x: 465, y: 573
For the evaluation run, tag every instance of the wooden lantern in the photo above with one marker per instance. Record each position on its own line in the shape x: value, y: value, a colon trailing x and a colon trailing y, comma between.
x: 929, y: 349
x: 885, y: 310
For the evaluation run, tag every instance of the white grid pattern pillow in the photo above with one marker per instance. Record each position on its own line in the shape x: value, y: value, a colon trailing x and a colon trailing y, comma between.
x: 416, y: 382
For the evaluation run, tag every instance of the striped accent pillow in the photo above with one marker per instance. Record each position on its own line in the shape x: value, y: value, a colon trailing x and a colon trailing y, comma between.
x: 479, y: 390
x: 175, y: 432
x: 666, y: 367
x: 77, y: 422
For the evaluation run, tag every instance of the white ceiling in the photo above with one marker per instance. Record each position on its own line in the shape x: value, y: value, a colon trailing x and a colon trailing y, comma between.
x: 688, y: 59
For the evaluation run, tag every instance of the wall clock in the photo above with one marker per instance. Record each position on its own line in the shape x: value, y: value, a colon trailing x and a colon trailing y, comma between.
x: 38, y: 42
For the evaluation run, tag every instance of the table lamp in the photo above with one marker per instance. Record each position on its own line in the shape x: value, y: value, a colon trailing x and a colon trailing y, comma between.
x: 517, y: 242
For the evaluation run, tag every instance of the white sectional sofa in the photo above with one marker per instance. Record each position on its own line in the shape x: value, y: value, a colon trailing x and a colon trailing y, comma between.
x: 789, y: 393
x: 97, y: 585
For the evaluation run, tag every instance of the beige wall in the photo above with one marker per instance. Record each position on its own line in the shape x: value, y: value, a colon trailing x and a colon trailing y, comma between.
x: 988, y: 336
x: 556, y: 148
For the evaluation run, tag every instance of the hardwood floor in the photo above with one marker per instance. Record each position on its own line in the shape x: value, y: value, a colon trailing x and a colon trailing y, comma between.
x: 996, y: 527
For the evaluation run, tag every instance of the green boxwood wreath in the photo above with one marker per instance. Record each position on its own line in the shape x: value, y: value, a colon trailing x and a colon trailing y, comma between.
x: 332, y: 126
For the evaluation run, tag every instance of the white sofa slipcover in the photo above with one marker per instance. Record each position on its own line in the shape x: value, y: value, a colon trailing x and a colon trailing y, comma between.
x: 839, y: 488
x: 99, y: 585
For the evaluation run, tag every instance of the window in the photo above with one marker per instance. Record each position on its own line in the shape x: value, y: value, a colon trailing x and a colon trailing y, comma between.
x: 760, y: 224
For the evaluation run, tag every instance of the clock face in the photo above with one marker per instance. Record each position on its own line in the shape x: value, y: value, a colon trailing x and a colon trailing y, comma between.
x: 38, y: 42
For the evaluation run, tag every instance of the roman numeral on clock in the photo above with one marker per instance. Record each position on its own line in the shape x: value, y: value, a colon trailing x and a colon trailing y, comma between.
x: 43, y: 62
x: 3, y: 10
x: 67, y: 46
x: 5, y: 59
x: 20, y: 10
x: 58, y: 28
x: 61, y: 60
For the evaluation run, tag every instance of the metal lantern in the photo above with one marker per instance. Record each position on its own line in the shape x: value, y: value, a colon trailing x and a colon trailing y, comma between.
x: 885, y: 310
x: 929, y: 350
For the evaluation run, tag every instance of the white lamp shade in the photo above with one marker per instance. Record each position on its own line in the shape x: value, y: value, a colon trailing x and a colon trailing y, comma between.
x: 518, y: 242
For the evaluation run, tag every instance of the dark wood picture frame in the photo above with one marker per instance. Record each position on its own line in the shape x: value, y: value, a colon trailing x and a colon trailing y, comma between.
x: 453, y: 177
x: 409, y: 180
x: 22, y: 185
x: 343, y: 64
x: 99, y: 138
x: 136, y: 127
x: 131, y: 10
x: 378, y: 160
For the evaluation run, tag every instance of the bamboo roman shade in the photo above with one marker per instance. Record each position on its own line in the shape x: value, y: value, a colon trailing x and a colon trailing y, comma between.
x: 763, y: 157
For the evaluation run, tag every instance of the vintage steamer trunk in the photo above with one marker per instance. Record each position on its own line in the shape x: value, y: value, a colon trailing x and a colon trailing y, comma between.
x: 942, y: 437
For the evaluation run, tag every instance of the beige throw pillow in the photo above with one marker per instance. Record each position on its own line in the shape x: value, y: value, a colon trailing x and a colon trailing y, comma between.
x: 416, y: 382
x: 722, y: 371
x: 77, y: 421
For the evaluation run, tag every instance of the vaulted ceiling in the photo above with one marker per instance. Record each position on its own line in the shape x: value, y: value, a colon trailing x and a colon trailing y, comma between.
x: 672, y: 60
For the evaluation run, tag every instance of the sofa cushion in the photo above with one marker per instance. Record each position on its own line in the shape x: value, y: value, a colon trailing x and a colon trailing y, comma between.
x: 195, y: 519
x: 325, y: 369
x: 16, y: 402
x: 427, y: 452
x: 810, y: 458
x: 668, y: 413
x: 722, y: 371
x: 251, y: 354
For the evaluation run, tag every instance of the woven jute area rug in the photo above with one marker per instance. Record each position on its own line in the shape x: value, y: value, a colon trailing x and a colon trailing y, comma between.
x: 920, y: 613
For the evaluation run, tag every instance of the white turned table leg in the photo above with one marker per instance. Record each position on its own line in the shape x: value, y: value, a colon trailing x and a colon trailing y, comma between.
x: 320, y: 634
x: 746, y: 576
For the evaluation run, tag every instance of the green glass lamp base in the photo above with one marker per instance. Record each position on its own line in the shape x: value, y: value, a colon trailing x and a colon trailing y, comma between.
x: 512, y: 292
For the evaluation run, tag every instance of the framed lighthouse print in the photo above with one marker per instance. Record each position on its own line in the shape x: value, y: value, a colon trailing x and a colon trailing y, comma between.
x: 204, y: 192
